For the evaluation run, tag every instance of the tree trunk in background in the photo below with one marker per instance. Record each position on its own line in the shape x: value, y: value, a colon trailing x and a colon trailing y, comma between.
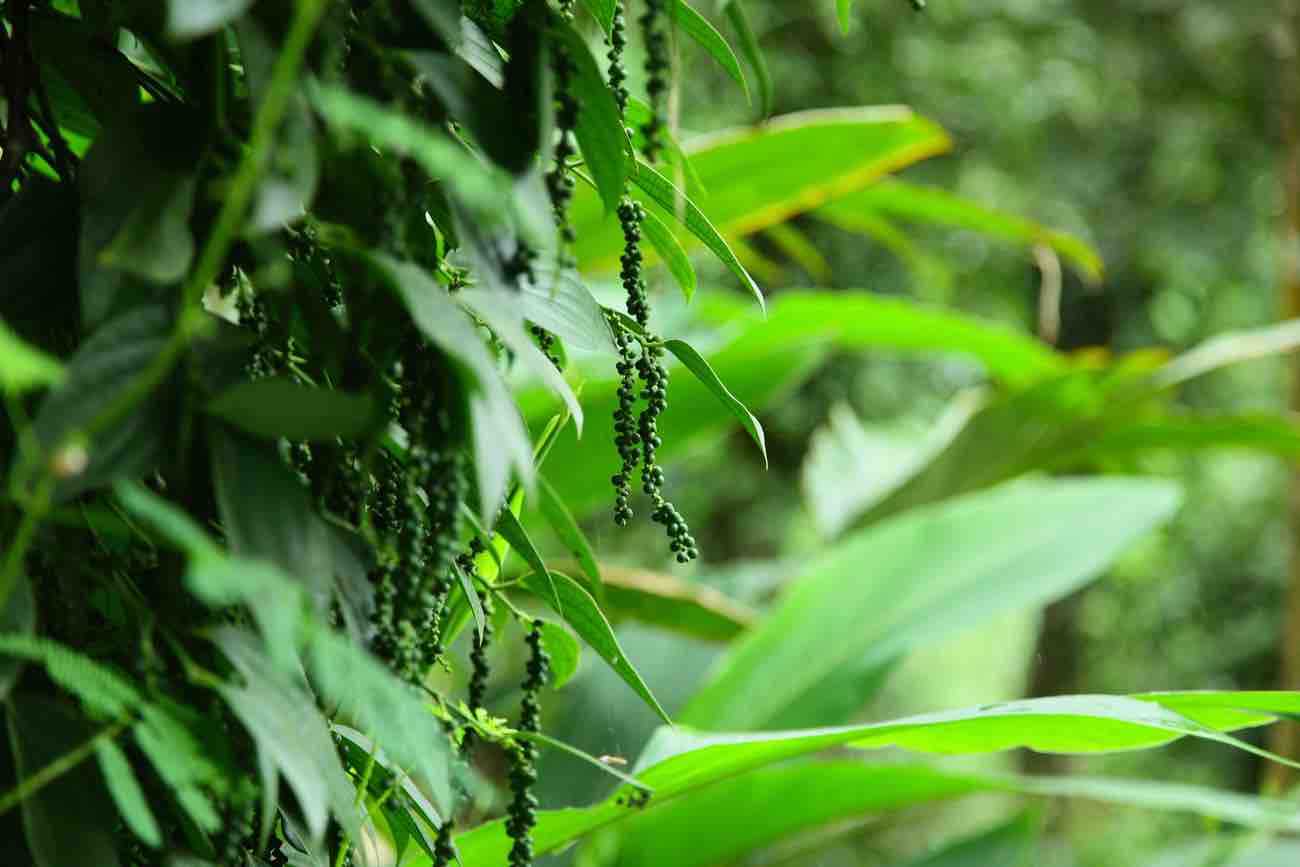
x: 1285, y: 737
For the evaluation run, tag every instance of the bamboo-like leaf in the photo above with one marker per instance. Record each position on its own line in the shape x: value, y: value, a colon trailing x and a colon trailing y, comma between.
x: 695, y: 363
x: 698, y: 28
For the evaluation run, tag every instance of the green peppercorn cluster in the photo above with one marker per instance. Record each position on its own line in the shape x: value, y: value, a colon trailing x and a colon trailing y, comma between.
x: 658, y: 65
x: 617, y: 42
x: 545, y: 342
x: 523, y: 755
x: 443, y: 849
x: 559, y: 180
x: 480, y: 669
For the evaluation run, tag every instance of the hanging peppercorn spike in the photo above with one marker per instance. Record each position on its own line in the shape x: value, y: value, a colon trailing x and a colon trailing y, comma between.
x: 523, y: 754
x: 658, y: 65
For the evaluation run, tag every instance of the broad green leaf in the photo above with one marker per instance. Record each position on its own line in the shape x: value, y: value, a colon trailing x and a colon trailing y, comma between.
x: 695, y: 363
x: 70, y: 822
x: 278, y: 407
x: 671, y: 252
x: 1189, y: 431
x: 674, y: 202
x: 903, y: 200
x: 678, y: 762
x: 566, y: 528
x: 671, y: 603
x: 599, y: 129
x: 23, y: 366
x: 501, y: 441
x: 735, y: 12
x: 501, y: 311
x: 283, y: 721
x: 567, y: 598
x: 131, y: 802
x: 564, y: 651
x: 188, y: 19
x: 697, y: 27
x: 756, y: 177
x: 883, y: 591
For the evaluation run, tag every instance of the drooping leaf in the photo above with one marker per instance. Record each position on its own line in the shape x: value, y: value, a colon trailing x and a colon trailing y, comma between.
x: 278, y: 407
x: 131, y: 802
x: 698, y: 28
x: 70, y: 822
x: 928, y: 572
x: 695, y: 363
x: 567, y: 598
x: 24, y: 367
x: 104, y: 691
x: 599, y: 130
x: 671, y: 252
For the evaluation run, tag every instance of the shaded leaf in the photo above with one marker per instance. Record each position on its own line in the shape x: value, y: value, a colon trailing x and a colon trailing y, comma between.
x: 278, y: 407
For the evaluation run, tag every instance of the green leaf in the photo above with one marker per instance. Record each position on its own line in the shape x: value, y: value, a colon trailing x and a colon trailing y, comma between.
x: 671, y: 252
x: 844, y: 12
x: 696, y: 364
x: 131, y: 802
x: 678, y: 762
x: 178, y: 755
x: 886, y: 590
x: 24, y: 367
x: 104, y: 692
x: 670, y: 603
x: 599, y: 129
x: 358, y: 752
x: 278, y: 407
x: 188, y: 19
x: 173, y: 522
x: 70, y: 822
x: 567, y: 598
x: 100, y: 74
x: 799, y: 249
x: 696, y: 26
x: 564, y: 652
x: 1192, y: 431
x: 674, y: 202
x: 753, y: 52
x: 569, y: 533
x: 471, y: 599
x: 913, y: 202
x: 284, y: 723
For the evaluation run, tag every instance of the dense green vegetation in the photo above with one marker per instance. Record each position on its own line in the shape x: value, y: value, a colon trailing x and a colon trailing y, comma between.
x: 605, y: 434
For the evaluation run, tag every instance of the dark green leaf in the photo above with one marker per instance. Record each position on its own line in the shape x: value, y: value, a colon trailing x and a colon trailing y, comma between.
x: 696, y: 26
x: 696, y: 364
x: 100, y: 74
x: 567, y: 598
x: 278, y: 407
x: 599, y: 130
x: 671, y: 251
x: 179, y: 757
x: 70, y: 822
x: 104, y: 691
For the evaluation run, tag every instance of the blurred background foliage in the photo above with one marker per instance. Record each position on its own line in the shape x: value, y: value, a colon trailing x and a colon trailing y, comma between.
x: 1149, y: 129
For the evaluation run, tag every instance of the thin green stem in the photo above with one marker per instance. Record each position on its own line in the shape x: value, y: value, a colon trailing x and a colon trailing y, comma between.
x: 33, y: 514
x: 57, y: 768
